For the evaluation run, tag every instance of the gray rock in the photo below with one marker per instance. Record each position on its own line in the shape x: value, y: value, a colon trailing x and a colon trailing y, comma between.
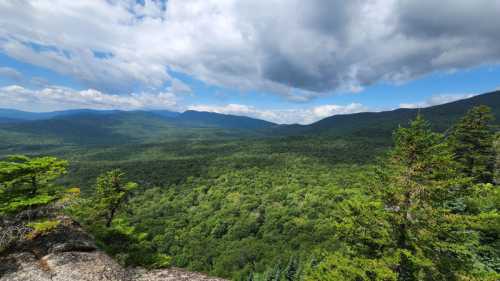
x: 67, y: 266
x: 172, y: 274
x: 69, y: 254
x: 85, y: 266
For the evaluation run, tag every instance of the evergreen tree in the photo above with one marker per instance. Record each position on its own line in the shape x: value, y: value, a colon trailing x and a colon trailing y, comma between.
x: 409, y: 162
x: 25, y: 185
x: 111, y: 192
x: 472, y: 141
x: 422, y: 175
x: 27, y: 182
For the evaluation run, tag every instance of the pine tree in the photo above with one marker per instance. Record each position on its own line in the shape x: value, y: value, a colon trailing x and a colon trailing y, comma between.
x: 472, y: 141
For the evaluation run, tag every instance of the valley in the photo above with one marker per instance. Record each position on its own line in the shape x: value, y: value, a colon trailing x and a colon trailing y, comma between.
x: 284, y: 140
x: 251, y: 201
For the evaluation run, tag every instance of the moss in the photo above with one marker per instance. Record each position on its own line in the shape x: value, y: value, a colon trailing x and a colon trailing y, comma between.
x: 42, y: 227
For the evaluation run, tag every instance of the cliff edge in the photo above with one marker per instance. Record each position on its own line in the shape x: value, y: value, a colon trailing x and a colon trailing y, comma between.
x: 69, y: 254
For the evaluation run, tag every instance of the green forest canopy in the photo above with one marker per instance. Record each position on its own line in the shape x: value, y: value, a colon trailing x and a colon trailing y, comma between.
x: 298, y: 209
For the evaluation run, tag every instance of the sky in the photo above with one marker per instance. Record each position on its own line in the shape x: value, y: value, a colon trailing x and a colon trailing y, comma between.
x: 286, y: 61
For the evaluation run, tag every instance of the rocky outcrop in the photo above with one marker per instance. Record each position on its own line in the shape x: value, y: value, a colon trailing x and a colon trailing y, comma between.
x: 69, y: 254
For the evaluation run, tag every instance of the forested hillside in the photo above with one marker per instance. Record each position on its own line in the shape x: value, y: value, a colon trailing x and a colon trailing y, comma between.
x: 122, y: 127
x: 92, y: 127
x: 283, y: 140
x: 423, y: 207
x: 381, y: 124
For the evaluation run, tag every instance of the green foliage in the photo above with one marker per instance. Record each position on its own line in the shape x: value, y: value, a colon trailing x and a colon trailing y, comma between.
x: 289, y: 210
x: 18, y: 203
x: 111, y: 192
x: 421, y: 177
x: 224, y: 223
x: 161, y: 261
x: 20, y: 170
x: 483, y: 206
x: 42, y: 227
x: 337, y: 266
x: 472, y: 140
x: 28, y: 182
x: 292, y: 208
x: 422, y: 235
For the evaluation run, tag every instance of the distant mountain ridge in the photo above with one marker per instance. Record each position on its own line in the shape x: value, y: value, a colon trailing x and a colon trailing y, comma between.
x: 86, y: 126
x: 20, y: 115
x: 202, y: 118
x: 187, y: 118
x: 381, y: 124
x: 116, y: 127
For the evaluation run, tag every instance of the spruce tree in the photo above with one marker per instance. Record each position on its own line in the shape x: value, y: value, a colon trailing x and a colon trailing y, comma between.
x: 472, y: 141
x: 422, y: 176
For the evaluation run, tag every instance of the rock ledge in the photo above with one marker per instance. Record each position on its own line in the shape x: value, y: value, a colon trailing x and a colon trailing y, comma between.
x: 69, y: 254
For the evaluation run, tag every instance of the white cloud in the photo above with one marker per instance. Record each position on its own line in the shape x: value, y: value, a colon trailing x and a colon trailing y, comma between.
x: 177, y: 86
x: 283, y: 116
x: 437, y: 100
x: 333, y: 109
x: 53, y: 98
x: 61, y: 98
x: 10, y: 73
x: 294, y: 48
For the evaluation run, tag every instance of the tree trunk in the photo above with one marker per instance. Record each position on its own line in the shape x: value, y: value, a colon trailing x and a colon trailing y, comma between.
x: 34, y: 185
x: 405, y: 271
x: 110, y: 217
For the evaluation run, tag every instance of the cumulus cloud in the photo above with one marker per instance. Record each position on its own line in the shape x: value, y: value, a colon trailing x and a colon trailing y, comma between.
x: 61, y: 98
x: 298, y: 49
x: 52, y: 98
x: 283, y: 116
x: 437, y: 100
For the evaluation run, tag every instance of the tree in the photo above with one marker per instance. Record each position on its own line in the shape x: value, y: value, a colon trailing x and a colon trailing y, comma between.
x: 472, y: 142
x: 26, y: 181
x: 421, y: 177
x: 111, y: 192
